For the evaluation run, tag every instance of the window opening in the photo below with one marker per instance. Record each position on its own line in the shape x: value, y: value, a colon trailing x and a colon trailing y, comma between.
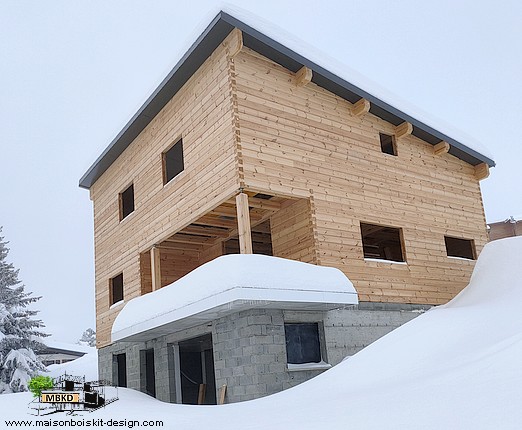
x: 127, y: 202
x: 381, y: 242
x: 173, y: 162
x: 116, y: 289
x: 302, y: 343
x: 463, y: 248
x: 388, y: 145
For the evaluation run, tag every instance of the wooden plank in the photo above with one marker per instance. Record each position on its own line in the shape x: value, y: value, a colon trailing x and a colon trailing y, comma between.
x: 361, y: 107
x: 261, y: 204
x: 204, y: 230
x: 441, y: 148
x: 155, y: 263
x: 403, y: 129
x: 201, y: 393
x: 221, y: 394
x: 243, y: 224
x: 303, y: 76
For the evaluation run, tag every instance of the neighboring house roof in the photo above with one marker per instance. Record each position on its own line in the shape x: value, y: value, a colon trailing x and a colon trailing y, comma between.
x: 230, y: 284
x: 209, y: 40
x: 54, y: 347
x: 511, y: 219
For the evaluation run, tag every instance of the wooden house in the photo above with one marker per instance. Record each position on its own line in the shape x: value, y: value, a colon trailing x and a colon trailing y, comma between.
x: 249, y: 147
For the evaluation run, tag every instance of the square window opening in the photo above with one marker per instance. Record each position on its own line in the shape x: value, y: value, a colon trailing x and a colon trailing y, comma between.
x: 388, y: 145
x: 382, y: 242
x: 302, y: 343
x: 127, y: 202
x: 173, y: 163
x: 116, y: 289
x: 462, y: 248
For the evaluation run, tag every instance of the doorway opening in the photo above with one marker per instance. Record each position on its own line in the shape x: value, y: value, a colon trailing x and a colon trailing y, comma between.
x: 196, y: 361
x: 119, y: 368
x: 147, y: 372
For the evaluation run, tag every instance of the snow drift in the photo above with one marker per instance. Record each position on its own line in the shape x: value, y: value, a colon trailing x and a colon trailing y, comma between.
x: 454, y: 367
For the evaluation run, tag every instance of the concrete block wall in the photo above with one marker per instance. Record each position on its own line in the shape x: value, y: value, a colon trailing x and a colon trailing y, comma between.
x: 250, y: 355
x: 250, y: 348
x: 347, y: 331
x: 107, y: 369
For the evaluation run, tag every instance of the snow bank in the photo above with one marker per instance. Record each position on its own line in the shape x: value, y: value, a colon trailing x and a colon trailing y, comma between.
x: 84, y: 366
x: 231, y: 283
x: 454, y: 367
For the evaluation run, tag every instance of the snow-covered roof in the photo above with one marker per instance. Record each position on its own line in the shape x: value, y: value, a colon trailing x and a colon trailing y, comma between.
x: 66, y: 347
x: 273, y: 43
x: 230, y: 284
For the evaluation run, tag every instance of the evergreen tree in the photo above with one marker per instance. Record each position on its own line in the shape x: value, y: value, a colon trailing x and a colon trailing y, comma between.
x: 88, y: 338
x: 19, y: 331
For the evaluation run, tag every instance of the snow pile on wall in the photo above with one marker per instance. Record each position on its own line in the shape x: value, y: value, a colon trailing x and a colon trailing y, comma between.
x: 255, y: 280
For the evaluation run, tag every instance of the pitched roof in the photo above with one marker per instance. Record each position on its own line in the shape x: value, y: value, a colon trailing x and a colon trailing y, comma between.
x: 209, y: 40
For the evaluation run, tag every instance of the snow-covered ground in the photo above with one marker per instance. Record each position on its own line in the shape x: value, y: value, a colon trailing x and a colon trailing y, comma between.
x: 454, y: 367
x: 86, y: 365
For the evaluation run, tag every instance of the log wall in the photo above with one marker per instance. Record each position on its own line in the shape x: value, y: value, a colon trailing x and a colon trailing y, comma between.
x: 202, y: 114
x: 297, y: 140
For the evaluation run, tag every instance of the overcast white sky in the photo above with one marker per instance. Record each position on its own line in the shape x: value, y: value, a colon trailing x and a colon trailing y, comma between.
x: 72, y: 74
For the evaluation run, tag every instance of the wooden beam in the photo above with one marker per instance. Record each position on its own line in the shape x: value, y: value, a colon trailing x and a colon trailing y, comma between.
x: 155, y: 265
x: 403, y: 129
x: 481, y: 171
x: 243, y: 224
x: 205, y: 231
x: 257, y: 203
x: 234, y: 42
x: 181, y: 237
x: 166, y: 244
x: 441, y: 148
x: 361, y: 107
x: 303, y: 76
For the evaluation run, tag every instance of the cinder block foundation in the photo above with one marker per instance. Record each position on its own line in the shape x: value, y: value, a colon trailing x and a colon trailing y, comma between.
x: 249, y: 349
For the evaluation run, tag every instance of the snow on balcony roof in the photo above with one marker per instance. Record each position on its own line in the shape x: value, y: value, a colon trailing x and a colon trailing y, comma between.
x: 230, y: 284
x: 291, y: 53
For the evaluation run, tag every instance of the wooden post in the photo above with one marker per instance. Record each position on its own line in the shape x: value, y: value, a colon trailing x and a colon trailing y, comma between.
x: 155, y: 265
x: 243, y: 224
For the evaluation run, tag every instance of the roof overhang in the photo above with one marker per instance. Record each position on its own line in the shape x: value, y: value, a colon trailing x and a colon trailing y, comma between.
x: 208, y: 41
x: 230, y: 284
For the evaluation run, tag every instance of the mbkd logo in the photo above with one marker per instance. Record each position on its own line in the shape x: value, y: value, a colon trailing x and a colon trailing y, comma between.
x: 60, y: 397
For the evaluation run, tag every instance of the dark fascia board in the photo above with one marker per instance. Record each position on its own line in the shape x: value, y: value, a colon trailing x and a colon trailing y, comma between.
x: 208, y: 41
